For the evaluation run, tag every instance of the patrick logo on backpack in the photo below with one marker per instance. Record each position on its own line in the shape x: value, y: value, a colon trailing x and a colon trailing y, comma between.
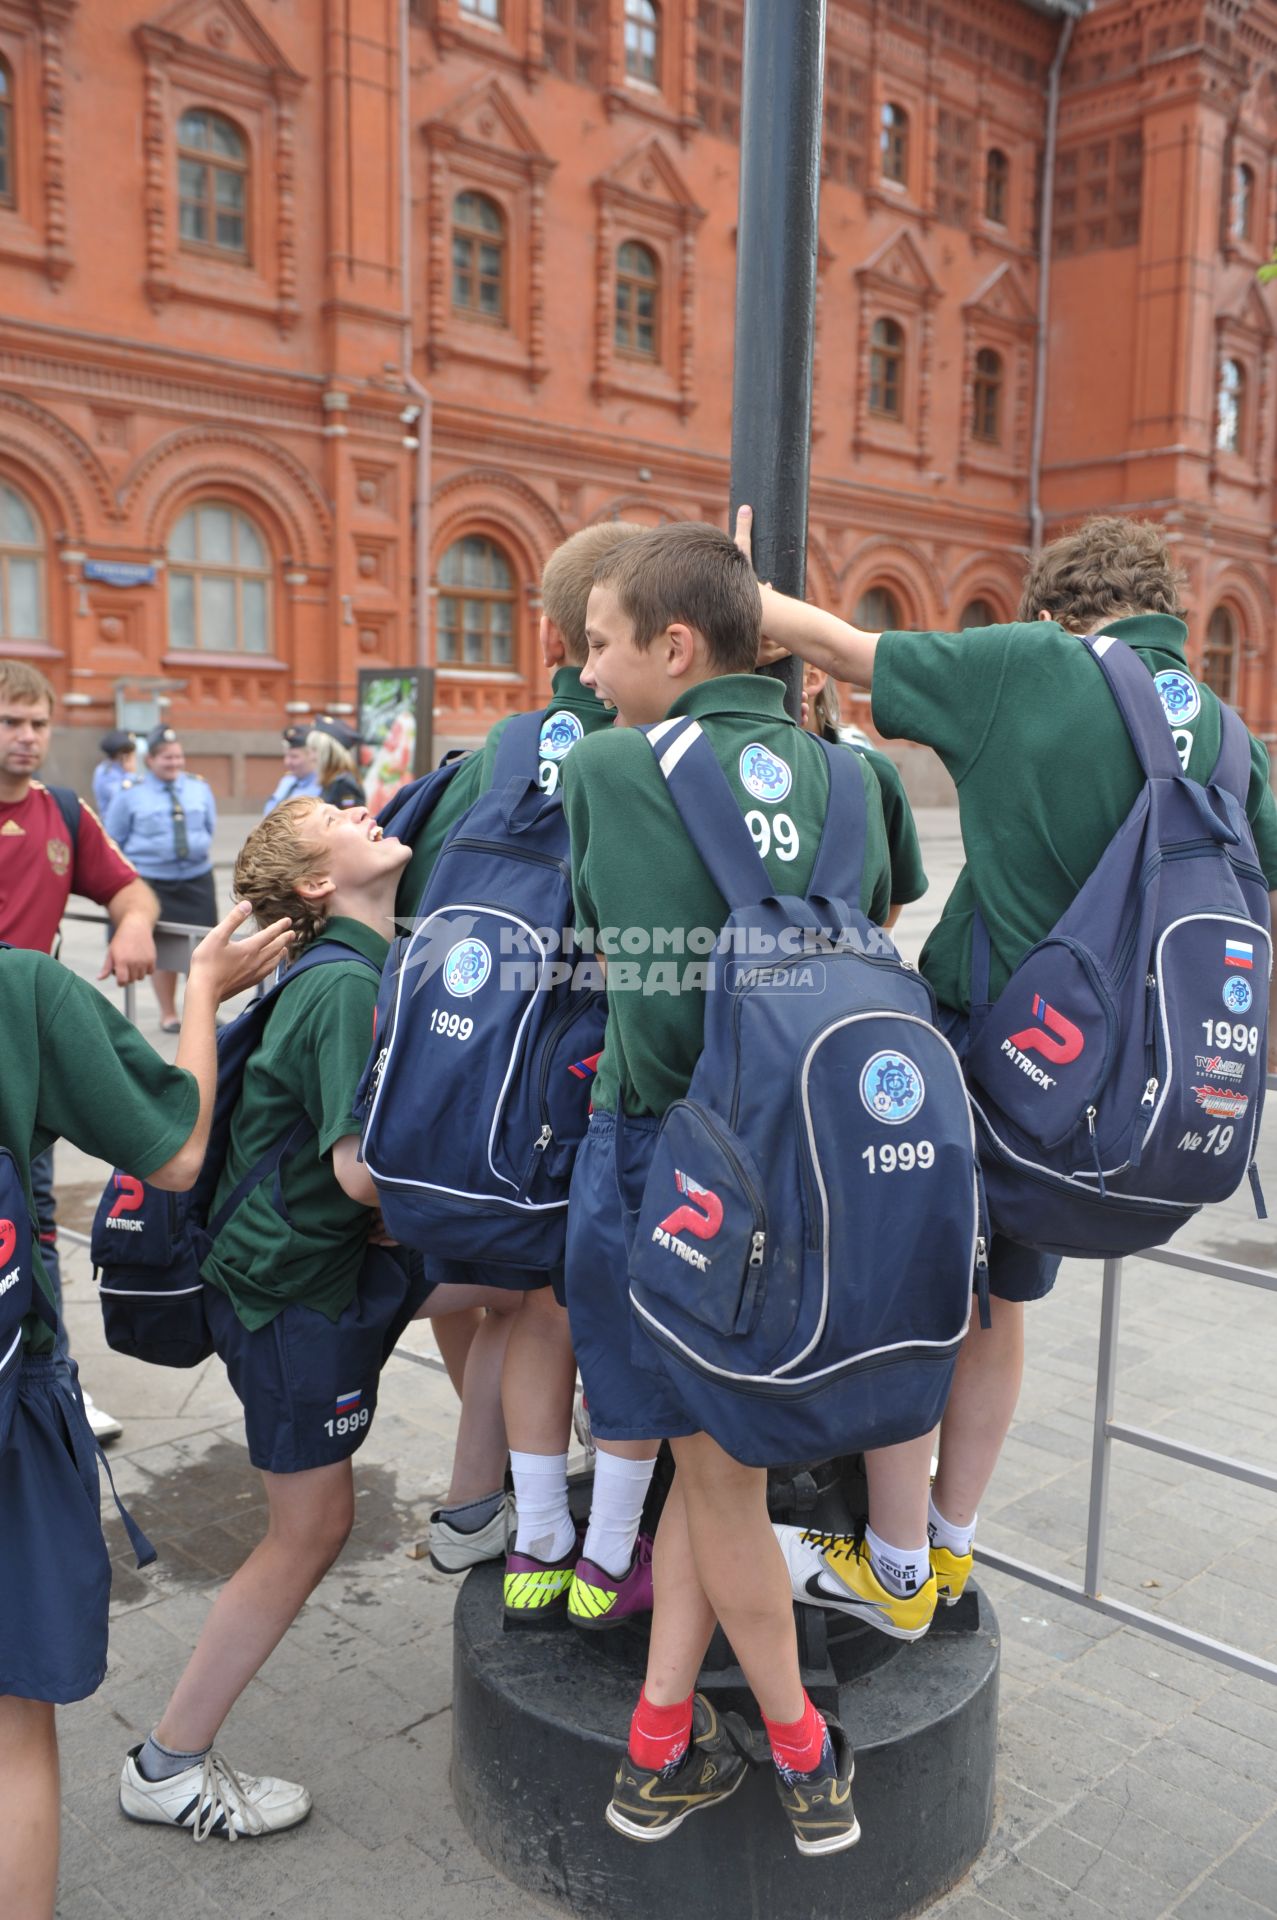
x: 130, y: 1193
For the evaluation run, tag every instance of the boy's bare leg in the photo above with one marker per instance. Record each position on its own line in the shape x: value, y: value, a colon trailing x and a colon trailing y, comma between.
x: 310, y: 1517
x: 30, y: 1799
x: 742, y: 1572
x: 479, y: 1457
x: 453, y: 1334
x: 982, y: 1402
x: 682, y: 1617
x: 898, y: 1479
x: 539, y: 1376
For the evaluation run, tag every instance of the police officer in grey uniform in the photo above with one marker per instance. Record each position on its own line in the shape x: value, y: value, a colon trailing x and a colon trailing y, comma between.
x: 300, y: 781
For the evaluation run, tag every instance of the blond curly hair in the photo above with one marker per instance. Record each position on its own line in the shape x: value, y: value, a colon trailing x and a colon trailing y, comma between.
x: 274, y: 858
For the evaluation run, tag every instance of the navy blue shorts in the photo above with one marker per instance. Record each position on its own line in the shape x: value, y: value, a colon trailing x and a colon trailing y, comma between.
x: 308, y: 1384
x: 1015, y: 1272
x: 474, y: 1273
x: 55, y: 1576
x: 629, y: 1396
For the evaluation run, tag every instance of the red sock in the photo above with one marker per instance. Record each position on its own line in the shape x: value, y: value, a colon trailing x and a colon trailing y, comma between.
x: 659, y: 1736
x: 797, y: 1744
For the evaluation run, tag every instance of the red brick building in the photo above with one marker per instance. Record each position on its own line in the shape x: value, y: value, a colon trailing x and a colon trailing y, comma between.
x: 322, y: 323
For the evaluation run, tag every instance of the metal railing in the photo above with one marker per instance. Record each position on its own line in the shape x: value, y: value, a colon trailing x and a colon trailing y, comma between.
x: 174, y: 943
x: 1106, y: 1430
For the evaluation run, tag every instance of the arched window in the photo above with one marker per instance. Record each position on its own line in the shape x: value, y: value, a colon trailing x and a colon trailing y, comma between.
x: 893, y: 142
x: 7, y: 195
x: 1219, y: 655
x: 977, y: 613
x: 877, y: 611
x: 21, y: 569
x: 219, y: 582
x: 986, y: 423
x: 638, y: 286
x: 886, y: 369
x: 1243, y: 209
x: 476, y: 605
x: 643, y: 41
x: 997, y: 181
x: 212, y: 180
x: 478, y: 255
x: 1230, y: 407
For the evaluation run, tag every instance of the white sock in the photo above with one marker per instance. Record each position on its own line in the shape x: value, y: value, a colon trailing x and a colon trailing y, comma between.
x: 620, y: 1488
x: 942, y: 1533
x: 545, y: 1529
x: 902, y: 1570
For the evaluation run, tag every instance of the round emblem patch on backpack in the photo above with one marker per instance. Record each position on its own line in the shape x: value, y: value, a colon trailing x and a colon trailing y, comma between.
x: 764, y: 774
x: 892, y: 1089
x: 1180, y: 697
x: 559, y: 734
x: 1237, y: 994
x: 466, y: 968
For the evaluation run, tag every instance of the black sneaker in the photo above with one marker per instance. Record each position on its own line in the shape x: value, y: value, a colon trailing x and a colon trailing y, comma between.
x: 819, y: 1803
x: 649, y: 1803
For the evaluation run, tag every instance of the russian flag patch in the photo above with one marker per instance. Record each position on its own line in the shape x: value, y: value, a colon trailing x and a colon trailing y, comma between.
x: 1238, y: 953
x: 347, y: 1402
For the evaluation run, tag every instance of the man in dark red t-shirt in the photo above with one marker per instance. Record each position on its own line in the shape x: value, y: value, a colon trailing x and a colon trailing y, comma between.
x: 42, y: 862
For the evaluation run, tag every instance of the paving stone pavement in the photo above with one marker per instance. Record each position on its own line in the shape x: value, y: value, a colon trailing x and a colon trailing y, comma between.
x: 1134, y: 1780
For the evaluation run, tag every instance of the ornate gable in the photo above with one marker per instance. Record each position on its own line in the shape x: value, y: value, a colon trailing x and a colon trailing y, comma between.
x: 898, y: 264
x: 1002, y: 300
x: 220, y: 31
x: 486, y: 118
x: 648, y: 178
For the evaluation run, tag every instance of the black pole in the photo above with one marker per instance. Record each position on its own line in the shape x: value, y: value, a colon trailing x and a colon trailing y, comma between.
x: 776, y: 244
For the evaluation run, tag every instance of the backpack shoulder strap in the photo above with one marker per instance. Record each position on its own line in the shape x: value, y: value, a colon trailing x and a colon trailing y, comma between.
x: 518, y: 749
x: 840, y: 857
x: 301, y: 1130
x: 408, y: 809
x: 70, y: 807
x: 713, y: 822
x: 1139, y: 703
x: 1232, y: 767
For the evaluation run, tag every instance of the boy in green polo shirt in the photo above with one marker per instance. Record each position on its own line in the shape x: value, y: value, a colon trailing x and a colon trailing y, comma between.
x: 75, y: 1069
x: 304, y: 1308
x: 908, y: 875
x: 605, y: 1578
x: 674, y: 630
x: 1046, y: 775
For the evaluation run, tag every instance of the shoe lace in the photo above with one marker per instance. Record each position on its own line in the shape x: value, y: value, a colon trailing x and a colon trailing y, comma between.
x: 221, y: 1792
x: 824, y: 1539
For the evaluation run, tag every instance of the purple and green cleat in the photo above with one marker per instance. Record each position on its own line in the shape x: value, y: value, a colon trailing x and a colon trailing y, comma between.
x: 598, y: 1599
x: 536, y: 1591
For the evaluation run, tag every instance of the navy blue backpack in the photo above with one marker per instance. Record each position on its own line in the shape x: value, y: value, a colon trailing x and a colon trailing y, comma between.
x: 811, y: 1220
x: 148, y: 1245
x: 1118, y: 1079
x: 20, y: 1292
x: 478, y: 1093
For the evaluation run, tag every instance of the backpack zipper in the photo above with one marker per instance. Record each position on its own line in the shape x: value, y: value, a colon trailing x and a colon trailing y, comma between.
x: 505, y: 852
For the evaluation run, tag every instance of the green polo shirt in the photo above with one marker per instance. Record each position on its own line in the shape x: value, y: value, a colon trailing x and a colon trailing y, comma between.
x: 642, y: 888
x: 1022, y: 718
x: 474, y: 777
x: 76, y: 1070
x: 908, y: 875
x: 316, y: 1044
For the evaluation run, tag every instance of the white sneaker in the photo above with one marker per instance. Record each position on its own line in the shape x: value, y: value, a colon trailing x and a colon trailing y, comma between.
x: 211, y: 1797
x: 452, y: 1551
x: 103, y: 1426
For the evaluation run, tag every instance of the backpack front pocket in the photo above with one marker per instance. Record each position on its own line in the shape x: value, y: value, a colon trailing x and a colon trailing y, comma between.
x: 1043, y: 1055
x: 701, y: 1244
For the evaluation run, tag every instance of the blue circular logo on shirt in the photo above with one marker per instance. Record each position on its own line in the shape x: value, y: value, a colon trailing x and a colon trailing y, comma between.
x: 559, y: 734
x: 892, y: 1089
x: 1237, y: 994
x: 1180, y: 697
x: 764, y: 774
x: 466, y: 968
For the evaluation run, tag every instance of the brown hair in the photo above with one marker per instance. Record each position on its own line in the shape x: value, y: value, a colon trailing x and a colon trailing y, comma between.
x: 272, y: 860
x: 1107, y: 570
x: 24, y: 684
x: 568, y: 576
x: 693, y: 574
